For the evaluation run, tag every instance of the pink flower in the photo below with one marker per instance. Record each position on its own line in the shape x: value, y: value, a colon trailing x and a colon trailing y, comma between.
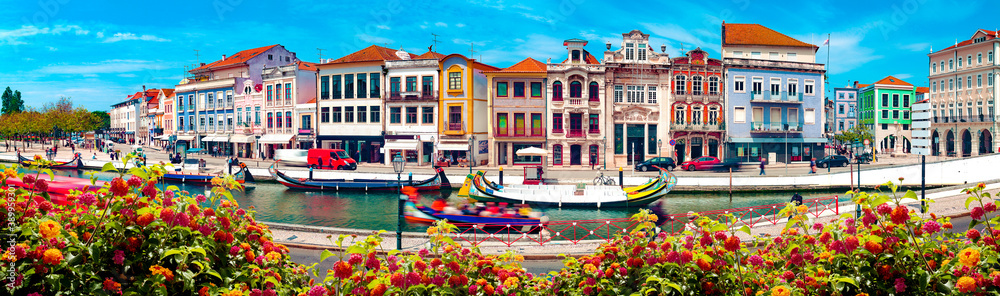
x: 119, y: 257
x: 86, y: 199
x: 972, y: 234
x: 990, y: 207
x: 977, y: 213
x: 355, y: 259
x: 756, y: 260
x: 41, y: 185
x: 883, y: 209
x: 372, y: 263
x: 423, y: 252
x: 135, y: 181
x: 167, y: 201
x: 412, y: 278
x: 235, y: 250
x: 240, y: 212
x: 150, y: 190
x: 900, y: 285
x: 200, y: 198
x: 818, y: 226
x: 931, y: 227
x: 182, y: 219
x: 170, y: 194
x: 317, y: 291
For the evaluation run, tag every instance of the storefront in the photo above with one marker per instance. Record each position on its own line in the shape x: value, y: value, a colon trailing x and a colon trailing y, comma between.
x: 507, y: 153
x: 776, y: 150
x: 361, y: 148
x: 217, y: 145
x: 243, y: 145
x: 271, y: 142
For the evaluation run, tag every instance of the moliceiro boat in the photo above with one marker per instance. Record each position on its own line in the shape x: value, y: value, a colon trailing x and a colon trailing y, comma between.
x: 75, y: 163
x: 424, y: 214
x: 476, y: 187
x: 438, y: 181
x: 242, y: 176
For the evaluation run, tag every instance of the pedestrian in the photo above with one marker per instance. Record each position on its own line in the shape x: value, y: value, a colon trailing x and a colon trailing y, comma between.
x: 797, y: 201
x: 763, y: 162
x: 812, y: 166
x: 593, y: 160
x: 662, y: 217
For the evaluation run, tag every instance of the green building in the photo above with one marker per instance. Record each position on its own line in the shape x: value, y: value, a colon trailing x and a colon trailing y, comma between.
x: 885, y: 110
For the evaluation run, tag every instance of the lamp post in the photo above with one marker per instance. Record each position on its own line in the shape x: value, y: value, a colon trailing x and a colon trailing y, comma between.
x: 604, y: 146
x: 659, y: 147
x: 472, y: 141
x: 397, y: 166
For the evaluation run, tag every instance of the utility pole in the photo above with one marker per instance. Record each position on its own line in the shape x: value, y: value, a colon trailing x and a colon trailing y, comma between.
x: 197, y: 61
x: 472, y: 50
x: 320, y: 54
x: 435, y: 41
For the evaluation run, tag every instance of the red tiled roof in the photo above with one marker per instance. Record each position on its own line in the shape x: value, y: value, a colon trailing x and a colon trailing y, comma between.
x: 588, y: 59
x: 893, y: 81
x: 430, y: 55
x: 863, y: 85
x: 238, y: 58
x: 990, y: 35
x: 755, y: 34
x: 923, y: 89
x: 369, y: 54
x: 306, y: 66
x: 528, y: 65
x: 168, y: 92
x: 311, y: 101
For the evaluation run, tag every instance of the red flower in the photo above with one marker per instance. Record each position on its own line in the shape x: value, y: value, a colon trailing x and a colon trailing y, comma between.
x: 873, y: 247
x: 342, y: 269
x: 900, y: 215
x: 378, y: 290
x: 703, y: 264
x: 990, y: 207
x: 112, y: 286
x: 732, y: 243
x: 396, y: 280
x: 977, y: 213
x: 149, y: 190
x: 41, y: 185
x: 145, y: 219
x: 118, y: 187
x: 135, y: 181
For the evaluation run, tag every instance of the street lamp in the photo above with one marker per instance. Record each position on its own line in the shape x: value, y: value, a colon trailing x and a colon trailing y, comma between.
x: 659, y: 147
x: 604, y: 146
x: 397, y: 166
x: 472, y: 141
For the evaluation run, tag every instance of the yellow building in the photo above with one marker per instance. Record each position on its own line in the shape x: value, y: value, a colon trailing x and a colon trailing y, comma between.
x: 463, y: 109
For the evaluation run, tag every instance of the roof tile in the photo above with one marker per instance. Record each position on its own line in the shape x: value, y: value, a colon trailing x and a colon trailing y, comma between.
x: 238, y: 58
x: 755, y: 34
x: 528, y: 65
x: 370, y: 54
x: 889, y: 80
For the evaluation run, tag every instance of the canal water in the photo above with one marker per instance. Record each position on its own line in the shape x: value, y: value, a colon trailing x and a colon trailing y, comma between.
x: 274, y: 202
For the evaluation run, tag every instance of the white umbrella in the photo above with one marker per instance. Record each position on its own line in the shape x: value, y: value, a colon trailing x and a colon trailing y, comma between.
x: 532, y: 151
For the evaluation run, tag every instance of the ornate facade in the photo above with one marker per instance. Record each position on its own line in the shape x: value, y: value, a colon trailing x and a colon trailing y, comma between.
x: 697, y: 117
x: 577, y: 112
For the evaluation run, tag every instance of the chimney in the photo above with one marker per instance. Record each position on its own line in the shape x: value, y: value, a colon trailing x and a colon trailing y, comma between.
x: 202, y: 64
x: 223, y: 57
x: 855, y: 84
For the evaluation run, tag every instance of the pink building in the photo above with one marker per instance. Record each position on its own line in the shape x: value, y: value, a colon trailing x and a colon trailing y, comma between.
x: 284, y: 88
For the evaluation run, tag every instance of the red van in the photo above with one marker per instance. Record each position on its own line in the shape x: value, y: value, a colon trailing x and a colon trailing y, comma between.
x: 334, y: 159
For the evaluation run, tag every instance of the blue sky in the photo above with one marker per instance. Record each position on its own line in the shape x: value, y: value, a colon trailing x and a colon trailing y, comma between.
x: 97, y: 52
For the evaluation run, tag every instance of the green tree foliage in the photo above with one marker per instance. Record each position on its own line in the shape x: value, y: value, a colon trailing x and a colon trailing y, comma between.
x: 856, y: 134
x: 60, y: 116
x: 103, y: 119
x: 12, y: 102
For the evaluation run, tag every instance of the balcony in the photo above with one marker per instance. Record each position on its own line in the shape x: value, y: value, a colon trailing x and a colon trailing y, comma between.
x: 960, y: 119
x: 455, y: 128
x: 674, y: 126
x: 558, y: 131
x: 775, y: 127
x: 594, y: 130
x: 305, y: 131
x: 776, y: 97
x: 576, y: 101
x: 575, y: 133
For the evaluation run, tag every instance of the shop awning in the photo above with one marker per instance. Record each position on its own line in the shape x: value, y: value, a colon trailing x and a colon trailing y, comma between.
x: 185, y: 138
x: 215, y: 139
x: 162, y: 137
x: 275, y: 139
x: 401, y: 145
x: 453, y: 147
x: 242, y: 139
x: 778, y: 140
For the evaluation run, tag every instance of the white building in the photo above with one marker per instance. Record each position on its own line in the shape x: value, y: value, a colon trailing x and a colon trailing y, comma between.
x: 411, y: 125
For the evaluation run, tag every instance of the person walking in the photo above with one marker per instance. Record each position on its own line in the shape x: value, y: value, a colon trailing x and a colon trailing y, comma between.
x: 763, y: 162
x: 593, y: 160
x: 812, y: 166
x: 797, y: 201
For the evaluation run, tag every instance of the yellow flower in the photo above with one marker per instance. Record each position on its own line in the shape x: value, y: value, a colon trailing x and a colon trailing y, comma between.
x: 49, y: 229
x: 273, y: 256
x: 863, y: 294
x: 969, y: 257
x: 966, y: 284
x: 52, y: 256
x: 780, y: 291
x: 802, y: 209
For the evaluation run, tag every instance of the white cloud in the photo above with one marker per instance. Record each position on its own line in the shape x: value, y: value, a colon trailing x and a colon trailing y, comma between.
x: 384, y: 27
x: 127, y: 75
x: 11, y: 37
x: 903, y: 76
x: 847, y: 54
x: 52, y: 48
x: 107, y: 66
x: 100, y: 35
x: 537, y: 17
x: 922, y: 46
x: 460, y: 25
x: 130, y: 36
x: 441, y: 24
x: 536, y: 46
x: 680, y: 34
x: 494, y: 4
x: 374, y: 39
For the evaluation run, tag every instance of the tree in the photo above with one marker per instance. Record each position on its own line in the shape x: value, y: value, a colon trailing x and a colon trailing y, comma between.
x: 858, y: 133
x: 102, y: 120
x: 12, y: 102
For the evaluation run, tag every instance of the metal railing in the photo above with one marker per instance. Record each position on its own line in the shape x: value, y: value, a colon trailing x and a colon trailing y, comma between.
x: 782, y: 97
x: 770, y: 127
x: 960, y: 119
x: 575, y: 133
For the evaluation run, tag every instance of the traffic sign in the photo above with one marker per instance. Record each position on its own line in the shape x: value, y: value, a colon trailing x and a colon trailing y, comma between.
x: 866, y: 142
x: 672, y: 142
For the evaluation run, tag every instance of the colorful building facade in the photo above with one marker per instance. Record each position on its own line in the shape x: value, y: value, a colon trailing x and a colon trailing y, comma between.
x: 517, y: 99
x: 845, y: 114
x: 697, y: 117
x: 963, y: 96
x: 463, y: 102
x: 411, y: 125
x: 885, y: 110
x: 284, y: 88
x: 577, y: 109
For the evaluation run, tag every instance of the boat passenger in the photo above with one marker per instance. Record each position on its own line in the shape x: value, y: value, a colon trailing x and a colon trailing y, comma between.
x: 524, y: 210
x: 439, y: 205
x: 450, y: 210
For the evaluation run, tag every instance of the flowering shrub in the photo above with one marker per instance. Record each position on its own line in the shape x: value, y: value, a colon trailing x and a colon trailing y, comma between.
x: 136, y: 236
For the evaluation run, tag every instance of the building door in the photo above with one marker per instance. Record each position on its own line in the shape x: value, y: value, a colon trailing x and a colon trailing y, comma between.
x: 713, y: 147
x: 574, y: 155
x: 679, y: 149
x: 935, y: 141
x: 966, y: 143
x: 634, y: 143
x: 950, y: 144
x: 696, y: 148
x: 502, y: 154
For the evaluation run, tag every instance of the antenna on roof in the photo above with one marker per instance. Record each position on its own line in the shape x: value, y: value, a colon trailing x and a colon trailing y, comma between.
x: 196, y: 60
x: 472, y: 50
x: 435, y: 41
x: 320, y: 54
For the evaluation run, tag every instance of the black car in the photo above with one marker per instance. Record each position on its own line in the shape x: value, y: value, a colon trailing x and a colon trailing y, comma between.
x: 833, y: 161
x: 663, y: 162
x: 725, y: 165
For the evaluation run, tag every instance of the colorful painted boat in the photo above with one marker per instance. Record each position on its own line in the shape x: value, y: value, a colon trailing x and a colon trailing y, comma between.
x: 477, y: 187
x: 59, y: 187
x: 242, y: 176
x: 73, y: 164
x: 424, y: 214
x: 438, y: 181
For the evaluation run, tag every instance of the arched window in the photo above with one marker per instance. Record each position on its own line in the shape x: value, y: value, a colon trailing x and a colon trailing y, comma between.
x: 934, y: 68
x: 593, y: 91
x: 575, y: 89
x: 680, y: 85
x: 557, y: 93
x: 557, y: 154
x: 679, y: 114
x: 696, y: 85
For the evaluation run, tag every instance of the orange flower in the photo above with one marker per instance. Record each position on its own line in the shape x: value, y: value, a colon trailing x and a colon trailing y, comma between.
x: 969, y: 257
x: 52, y: 256
x: 49, y: 229
x: 273, y: 256
x: 780, y: 291
x: 802, y: 209
x: 156, y: 269
x: 966, y: 284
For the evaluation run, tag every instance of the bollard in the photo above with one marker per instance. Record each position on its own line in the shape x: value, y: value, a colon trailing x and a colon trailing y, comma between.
x: 621, y: 178
x: 501, y: 176
x: 310, y: 173
x: 410, y: 183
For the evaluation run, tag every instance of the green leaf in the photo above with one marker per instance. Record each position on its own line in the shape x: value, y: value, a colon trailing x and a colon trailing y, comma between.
x: 847, y: 280
x: 356, y: 249
x: 173, y: 188
x: 170, y: 253
x: 324, y: 255
x: 973, y: 223
x: 880, y: 199
x: 745, y: 229
x: 199, y: 250
x: 214, y: 273
x: 969, y: 200
x: 109, y: 167
x: 720, y: 227
x: 910, y: 195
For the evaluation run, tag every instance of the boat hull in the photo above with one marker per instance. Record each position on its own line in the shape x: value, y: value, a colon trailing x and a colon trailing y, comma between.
x: 478, y: 188
x: 439, y: 181
x: 423, y: 214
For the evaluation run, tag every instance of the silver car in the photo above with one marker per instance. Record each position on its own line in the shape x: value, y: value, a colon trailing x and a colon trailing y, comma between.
x: 291, y: 157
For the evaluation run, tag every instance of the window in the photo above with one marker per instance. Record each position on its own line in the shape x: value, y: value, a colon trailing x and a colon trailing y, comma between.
x: 348, y: 86
x: 906, y: 101
x: 411, y: 115
x: 713, y: 115
x: 737, y: 54
x: 989, y: 79
x: 679, y: 114
x: 696, y: 85
x: 969, y: 60
x: 536, y: 89
x: 306, y: 122
x: 989, y: 57
x: 454, y: 80
x: 696, y: 115
x: 642, y: 51
x: 885, y: 114
x: 636, y: 94
x: 713, y: 85
x: 210, y: 101
x: 335, y: 86
x: 959, y: 84
x: 979, y: 80
x: 593, y: 91
x: 411, y: 84
x: 349, y: 114
x: 455, y: 114
x: 755, y: 55
x: 793, y: 87
x: 362, y: 114
x: 393, y: 86
x: 840, y: 108
x: 629, y: 51
x: 979, y: 58
x: 895, y: 114
x: 594, y: 126
x: 519, y: 124
x: 278, y: 119
x: 757, y: 85
x: 951, y: 84
x: 557, y: 93
x: 934, y: 68
x: 557, y: 154
x: 502, y: 89
x: 968, y: 81
x: 335, y: 114
x: 791, y: 56
x: 951, y: 64
x: 739, y: 84
x: 906, y: 114
x: 680, y: 84
x: 960, y: 62
x: 773, y: 55
x: 934, y: 86
x: 895, y: 100
x: 810, y: 87
x: 375, y: 114
x: 652, y: 94
x: 270, y: 57
x: 575, y: 55
x: 518, y: 89
x: 428, y: 85
x: 375, y: 90
x: 775, y: 86
x: 395, y: 114
x: 256, y: 115
x: 277, y: 91
x: 942, y: 66
x: 619, y: 93
x: 575, y: 89
x: 502, y: 124
x: 885, y: 100
x: 324, y: 87
x: 428, y: 114
x: 810, y: 116
x: 362, y: 86
x: 740, y: 114
x: 885, y: 126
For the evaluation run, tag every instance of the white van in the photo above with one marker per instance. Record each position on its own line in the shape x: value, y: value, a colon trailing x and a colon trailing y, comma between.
x: 291, y: 157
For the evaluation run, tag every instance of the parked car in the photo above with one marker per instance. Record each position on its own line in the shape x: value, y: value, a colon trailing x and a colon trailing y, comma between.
x: 864, y: 157
x: 701, y: 163
x: 833, y: 161
x: 730, y: 163
x: 292, y: 157
x: 663, y: 162
x: 335, y: 159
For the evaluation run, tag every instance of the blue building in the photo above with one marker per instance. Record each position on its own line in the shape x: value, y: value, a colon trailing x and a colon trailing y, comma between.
x: 845, y: 102
x: 774, y: 90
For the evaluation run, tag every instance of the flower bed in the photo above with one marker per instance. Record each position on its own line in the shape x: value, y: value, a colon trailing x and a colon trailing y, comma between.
x: 138, y: 237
